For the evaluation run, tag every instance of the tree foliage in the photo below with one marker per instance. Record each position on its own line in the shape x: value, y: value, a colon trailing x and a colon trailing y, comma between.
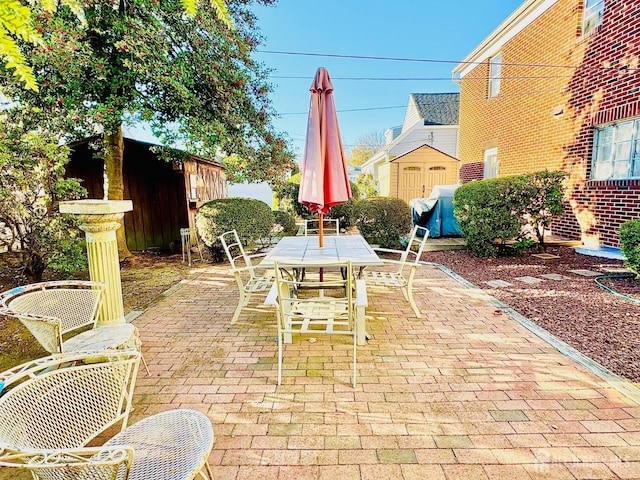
x: 544, y: 200
x: 190, y: 78
x: 15, y: 24
x: 365, y: 148
x: 31, y: 186
x: 630, y: 244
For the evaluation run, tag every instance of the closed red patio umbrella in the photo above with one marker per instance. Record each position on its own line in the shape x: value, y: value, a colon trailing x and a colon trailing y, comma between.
x: 324, y: 181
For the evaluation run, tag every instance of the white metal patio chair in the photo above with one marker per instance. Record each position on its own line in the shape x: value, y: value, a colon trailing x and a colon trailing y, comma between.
x: 330, y: 226
x: 52, y: 408
x: 52, y: 311
x: 190, y: 242
x: 250, y: 278
x: 301, y: 310
x: 399, y: 278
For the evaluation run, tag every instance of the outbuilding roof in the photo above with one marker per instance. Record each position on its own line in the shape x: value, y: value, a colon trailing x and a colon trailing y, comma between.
x: 438, y: 108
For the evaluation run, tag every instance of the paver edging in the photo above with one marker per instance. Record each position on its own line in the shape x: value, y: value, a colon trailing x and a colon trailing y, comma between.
x: 617, y: 382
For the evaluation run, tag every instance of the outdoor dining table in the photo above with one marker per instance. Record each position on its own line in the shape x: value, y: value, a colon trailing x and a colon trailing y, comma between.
x: 305, y: 252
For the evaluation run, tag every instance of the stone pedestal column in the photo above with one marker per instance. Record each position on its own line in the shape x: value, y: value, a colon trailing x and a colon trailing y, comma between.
x: 100, y: 220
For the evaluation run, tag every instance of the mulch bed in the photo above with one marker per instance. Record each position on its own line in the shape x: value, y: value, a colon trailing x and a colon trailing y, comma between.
x: 600, y: 324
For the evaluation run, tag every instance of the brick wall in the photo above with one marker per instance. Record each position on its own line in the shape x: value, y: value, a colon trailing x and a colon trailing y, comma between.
x: 544, y: 116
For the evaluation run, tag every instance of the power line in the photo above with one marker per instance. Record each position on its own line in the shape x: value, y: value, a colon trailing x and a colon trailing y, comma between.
x: 425, y: 79
x: 467, y: 100
x: 351, y: 110
x: 430, y: 60
x: 401, y: 59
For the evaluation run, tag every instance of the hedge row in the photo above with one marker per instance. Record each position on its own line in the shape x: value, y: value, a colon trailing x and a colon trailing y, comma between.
x: 382, y: 221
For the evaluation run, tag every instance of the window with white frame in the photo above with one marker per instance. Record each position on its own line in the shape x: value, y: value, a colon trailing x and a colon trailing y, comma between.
x: 592, y: 15
x: 495, y: 69
x: 490, y: 163
x: 616, y: 151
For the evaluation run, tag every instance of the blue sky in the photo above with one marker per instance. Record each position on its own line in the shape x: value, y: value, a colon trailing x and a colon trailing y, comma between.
x: 417, y: 29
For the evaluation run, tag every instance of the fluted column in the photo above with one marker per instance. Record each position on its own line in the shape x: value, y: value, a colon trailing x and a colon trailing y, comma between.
x: 100, y: 220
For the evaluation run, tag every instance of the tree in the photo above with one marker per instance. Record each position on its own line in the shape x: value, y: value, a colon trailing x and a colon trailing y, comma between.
x: 366, y: 147
x: 190, y: 77
x: 543, y: 201
x: 31, y: 186
x: 366, y: 185
x: 15, y: 23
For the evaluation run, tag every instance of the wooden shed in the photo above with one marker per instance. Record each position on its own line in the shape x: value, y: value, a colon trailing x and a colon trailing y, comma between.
x: 415, y: 173
x: 165, y: 195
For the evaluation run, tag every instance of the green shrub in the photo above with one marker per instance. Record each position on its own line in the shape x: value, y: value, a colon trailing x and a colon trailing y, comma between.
x: 344, y: 211
x: 542, y: 200
x: 288, y: 201
x: 284, y: 223
x: 630, y: 244
x: 383, y: 221
x: 494, y: 211
x: 489, y: 212
x: 252, y: 219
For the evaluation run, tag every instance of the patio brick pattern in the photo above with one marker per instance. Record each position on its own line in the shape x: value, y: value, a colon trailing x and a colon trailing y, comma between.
x: 464, y: 393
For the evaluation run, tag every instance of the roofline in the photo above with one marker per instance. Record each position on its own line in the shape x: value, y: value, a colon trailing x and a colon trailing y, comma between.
x: 421, y: 146
x: 190, y: 155
x: 522, y: 17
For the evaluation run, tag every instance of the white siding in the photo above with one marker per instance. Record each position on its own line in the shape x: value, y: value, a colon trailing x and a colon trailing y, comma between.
x: 443, y: 138
x: 411, y: 116
x: 446, y: 140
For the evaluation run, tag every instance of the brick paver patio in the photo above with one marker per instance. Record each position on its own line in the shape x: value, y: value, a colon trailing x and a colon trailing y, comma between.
x: 466, y: 392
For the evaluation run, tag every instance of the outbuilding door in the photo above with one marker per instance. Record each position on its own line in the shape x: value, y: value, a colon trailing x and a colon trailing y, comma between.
x: 411, y: 182
x: 417, y: 181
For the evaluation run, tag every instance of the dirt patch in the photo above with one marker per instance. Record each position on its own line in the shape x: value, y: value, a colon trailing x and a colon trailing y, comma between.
x: 144, y: 279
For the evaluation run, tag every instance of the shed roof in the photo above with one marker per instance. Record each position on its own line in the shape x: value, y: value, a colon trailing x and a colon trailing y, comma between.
x: 438, y: 108
x: 424, y: 145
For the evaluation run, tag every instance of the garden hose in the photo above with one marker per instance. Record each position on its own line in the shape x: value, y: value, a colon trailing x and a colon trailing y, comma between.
x: 611, y: 290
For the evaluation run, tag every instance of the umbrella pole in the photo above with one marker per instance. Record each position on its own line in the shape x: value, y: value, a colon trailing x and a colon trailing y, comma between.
x: 321, y: 240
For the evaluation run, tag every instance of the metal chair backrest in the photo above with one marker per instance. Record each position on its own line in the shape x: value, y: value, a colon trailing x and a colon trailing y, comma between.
x: 415, y: 246
x: 315, y: 307
x: 234, y: 250
x: 68, y: 304
x: 66, y: 400
x: 330, y: 226
x: 299, y: 308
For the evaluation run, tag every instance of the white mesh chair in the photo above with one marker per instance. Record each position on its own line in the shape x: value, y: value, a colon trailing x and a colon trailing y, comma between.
x: 52, y: 408
x: 302, y: 310
x: 51, y: 310
x: 250, y: 278
x: 190, y: 242
x: 399, y: 277
x: 330, y: 226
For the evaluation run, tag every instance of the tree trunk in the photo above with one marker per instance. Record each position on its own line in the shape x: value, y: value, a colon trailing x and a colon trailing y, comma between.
x: 113, y: 161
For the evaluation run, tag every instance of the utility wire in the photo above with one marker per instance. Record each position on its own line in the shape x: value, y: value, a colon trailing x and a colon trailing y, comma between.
x: 401, y: 59
x: 455, y: 62
x: 425, y: 79
x: 467, y: 100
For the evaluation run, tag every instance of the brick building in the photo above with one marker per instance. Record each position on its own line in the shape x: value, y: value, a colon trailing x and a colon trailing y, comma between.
x: 557, y: 86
